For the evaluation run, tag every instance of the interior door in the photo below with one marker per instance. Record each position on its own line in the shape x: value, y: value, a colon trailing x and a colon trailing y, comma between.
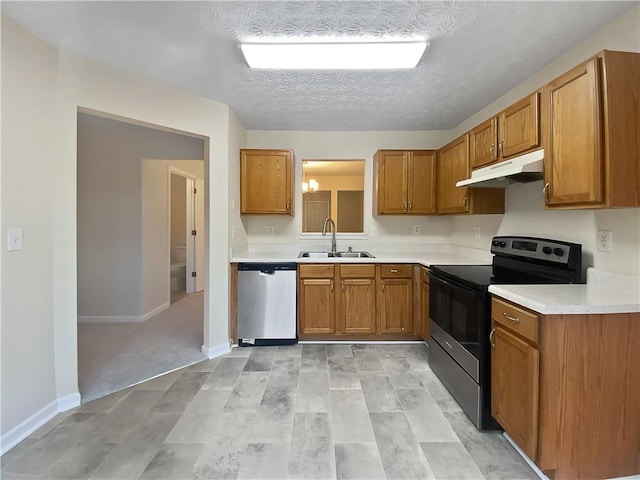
x: 199, y: 238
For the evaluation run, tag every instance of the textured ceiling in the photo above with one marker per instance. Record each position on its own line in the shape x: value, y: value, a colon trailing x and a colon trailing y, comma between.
x: 479, y: 50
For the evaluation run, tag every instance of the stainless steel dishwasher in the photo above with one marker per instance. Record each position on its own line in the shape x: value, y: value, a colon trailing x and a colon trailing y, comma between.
x: 266, y: 303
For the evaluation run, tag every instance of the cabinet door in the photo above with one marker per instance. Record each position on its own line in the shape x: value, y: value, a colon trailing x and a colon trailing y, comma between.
x: 514, y: 388
x: 453, y: 166
x: 482, y: 143
x: 424, y: 299
x: 573, y: 172
x: 396, y: 312
x: 392, y: 184
x: 266, y: 182
x: 316, y: 306
x: 422, y: 183
x: 519, y: 127
x: 358, y: 305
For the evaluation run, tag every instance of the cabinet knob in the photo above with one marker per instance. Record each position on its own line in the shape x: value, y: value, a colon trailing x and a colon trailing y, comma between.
x: 382, y: 286
x: 410, y: 205
x: 342, y: 286
x: 288, y: 204
x: 465, y: 200
x: 405, y: 206
x: 331, y: 286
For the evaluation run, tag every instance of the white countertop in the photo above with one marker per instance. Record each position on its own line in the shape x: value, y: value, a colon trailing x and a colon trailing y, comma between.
x: 604, y: 292
x: 426, y: 255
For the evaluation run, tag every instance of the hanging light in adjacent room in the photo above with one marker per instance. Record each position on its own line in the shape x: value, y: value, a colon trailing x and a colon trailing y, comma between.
x: 310, y: 187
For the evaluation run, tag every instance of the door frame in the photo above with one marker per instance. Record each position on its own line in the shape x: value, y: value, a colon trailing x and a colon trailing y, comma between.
x: 190, y: 178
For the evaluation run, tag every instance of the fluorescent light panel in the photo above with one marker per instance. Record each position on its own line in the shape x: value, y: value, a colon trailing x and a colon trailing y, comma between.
x: 334, y: 56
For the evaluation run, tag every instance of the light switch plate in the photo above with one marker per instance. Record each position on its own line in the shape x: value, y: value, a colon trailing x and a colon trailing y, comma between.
x: 14, y: 239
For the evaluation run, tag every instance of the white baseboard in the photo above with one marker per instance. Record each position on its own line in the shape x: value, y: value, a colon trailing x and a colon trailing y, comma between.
x: 27, y: 427
x: 217, y: 351
x: 122, y: 318
x: 68, y: 402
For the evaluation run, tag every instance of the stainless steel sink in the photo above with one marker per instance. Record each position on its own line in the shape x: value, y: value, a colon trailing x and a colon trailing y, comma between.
x: 316, y: 254
x: 325, y: 254
x: 352, y: 254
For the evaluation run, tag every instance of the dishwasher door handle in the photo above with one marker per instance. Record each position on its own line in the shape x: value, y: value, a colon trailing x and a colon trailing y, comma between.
x: 266, y: 273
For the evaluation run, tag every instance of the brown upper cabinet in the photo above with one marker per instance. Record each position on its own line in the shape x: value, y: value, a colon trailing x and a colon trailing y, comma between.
x: 513, y: 131
x: 591, y: 134
x: 266, y: 182
x: 453, y: 166
x: 405, y: 182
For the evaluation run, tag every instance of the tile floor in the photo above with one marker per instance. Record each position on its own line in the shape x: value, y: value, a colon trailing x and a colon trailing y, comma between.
x: 301, y: 411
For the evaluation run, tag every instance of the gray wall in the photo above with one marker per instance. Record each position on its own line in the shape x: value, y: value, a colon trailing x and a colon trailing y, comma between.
x: 110, y: 153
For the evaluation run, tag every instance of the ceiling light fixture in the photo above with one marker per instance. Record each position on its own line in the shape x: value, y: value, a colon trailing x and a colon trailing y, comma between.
x: 311, y: 186
x: 334, y: 55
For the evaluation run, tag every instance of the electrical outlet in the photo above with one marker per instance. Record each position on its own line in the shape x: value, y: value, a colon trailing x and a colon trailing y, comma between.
x: 605, y: 241
x: 233, y: 203
x: 374, y: 231
x: 233, y: 232
x: 270, y: 230
x: 476, y: 232
x: 416, y: 229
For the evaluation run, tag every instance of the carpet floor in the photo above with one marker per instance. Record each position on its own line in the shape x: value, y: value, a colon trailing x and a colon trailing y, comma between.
x: 113, y: 356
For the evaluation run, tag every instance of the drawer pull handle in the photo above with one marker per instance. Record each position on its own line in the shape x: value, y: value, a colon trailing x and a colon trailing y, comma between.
x: 502, y: 147
x: 448, y: 344
x: 342, y: 286
x: 382, y: 286
x: 394, y: 270
x: 493, y: 345
x: 545, y: 192
x: 509, y: 317
x: 331, y: 286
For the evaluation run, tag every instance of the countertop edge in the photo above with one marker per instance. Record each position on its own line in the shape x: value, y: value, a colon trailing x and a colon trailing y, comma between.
x: 563, y: 309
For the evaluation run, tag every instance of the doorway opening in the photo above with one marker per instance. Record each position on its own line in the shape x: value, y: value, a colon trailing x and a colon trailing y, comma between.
x: 186, y: 234
x: 130, y: 328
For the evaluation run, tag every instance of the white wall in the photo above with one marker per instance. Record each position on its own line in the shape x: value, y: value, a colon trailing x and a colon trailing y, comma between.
x: 155, y: 225
x: 345, y: 146
x: 110, y: 212
x: 237, y: 140
x: 525, y: 214
x: 27, y: 328
x: 42, y: 91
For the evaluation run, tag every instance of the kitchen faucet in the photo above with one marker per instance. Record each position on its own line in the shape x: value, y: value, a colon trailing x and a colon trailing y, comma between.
x: 333, y: 233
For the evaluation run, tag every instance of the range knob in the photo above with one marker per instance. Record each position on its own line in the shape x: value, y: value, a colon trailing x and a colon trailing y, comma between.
x: 497, y: 243
x: 558, y: 251
x: 546, y: 250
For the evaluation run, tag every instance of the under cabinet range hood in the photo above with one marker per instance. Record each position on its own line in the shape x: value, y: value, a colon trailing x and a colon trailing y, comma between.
x: 522, y: 169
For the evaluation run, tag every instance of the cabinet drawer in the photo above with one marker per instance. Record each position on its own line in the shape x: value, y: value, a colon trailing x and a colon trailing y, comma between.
x: 320, y: 270
x: 357, y: 271
x: 516, y: 319
x: 392, y: 270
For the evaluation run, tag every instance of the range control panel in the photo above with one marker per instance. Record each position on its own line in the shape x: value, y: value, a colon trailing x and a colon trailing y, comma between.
x: 537, y: 248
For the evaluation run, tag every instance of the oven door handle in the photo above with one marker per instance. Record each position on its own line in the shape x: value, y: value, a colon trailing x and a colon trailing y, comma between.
x: 493, y: 345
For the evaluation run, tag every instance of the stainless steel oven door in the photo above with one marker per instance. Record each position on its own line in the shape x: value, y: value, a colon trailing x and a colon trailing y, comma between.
x: 457, y: 312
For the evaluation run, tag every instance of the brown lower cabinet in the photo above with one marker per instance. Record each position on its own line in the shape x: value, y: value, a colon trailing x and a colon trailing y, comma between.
x: 424, y: 303
x: 356, y: 301
x: 566, y: 388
